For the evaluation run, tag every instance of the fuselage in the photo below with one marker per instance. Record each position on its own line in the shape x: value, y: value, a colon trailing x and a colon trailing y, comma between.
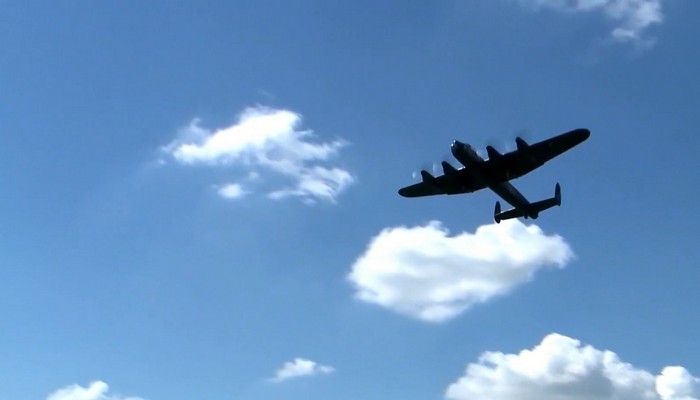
x: 498, y: 182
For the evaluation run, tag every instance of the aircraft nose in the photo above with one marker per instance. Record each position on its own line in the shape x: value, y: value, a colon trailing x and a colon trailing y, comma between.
x: 456, y: 144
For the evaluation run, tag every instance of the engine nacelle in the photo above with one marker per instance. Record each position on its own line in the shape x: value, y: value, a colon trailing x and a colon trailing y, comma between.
x: 493, y: 153
x: 448, y: 169
x: 427, y: 178
x: 521, y: 143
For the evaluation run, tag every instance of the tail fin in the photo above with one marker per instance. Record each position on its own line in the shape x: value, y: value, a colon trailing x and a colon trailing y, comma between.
x: 499, y: 216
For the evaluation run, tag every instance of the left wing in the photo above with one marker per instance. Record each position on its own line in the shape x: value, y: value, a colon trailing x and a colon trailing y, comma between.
x: 552, y: 147
x: 531, y: 156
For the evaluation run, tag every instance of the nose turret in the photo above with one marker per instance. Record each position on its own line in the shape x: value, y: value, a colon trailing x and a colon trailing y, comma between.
x: 464, y: 153
x: 457, y: 148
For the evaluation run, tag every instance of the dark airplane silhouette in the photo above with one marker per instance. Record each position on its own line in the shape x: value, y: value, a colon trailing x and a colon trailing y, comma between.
x: 495, y: 173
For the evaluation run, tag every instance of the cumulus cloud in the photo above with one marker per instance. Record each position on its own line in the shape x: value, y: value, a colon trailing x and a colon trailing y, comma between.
x: 95, y: 391
x: 425, y: 273
x: 631, y: 17
x: 561, y: 368
x: 676, y: 383
x: 300, y: 367
x: 270, y: 140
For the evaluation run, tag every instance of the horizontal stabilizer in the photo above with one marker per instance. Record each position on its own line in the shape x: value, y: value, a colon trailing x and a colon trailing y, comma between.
x: 549, y: 203
x: 532, y: 211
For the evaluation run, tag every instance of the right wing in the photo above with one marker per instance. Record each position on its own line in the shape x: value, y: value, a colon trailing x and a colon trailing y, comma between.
x: 429, y: 187
x: 455, y: 181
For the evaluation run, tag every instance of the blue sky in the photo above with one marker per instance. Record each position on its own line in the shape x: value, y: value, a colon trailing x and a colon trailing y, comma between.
x: 199, y: 200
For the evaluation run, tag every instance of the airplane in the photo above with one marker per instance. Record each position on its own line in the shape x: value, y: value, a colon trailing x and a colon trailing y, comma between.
x: 496, y: 172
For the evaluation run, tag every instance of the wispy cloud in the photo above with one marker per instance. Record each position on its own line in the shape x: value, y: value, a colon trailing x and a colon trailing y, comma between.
x: 232, y: 191
x: 631, y: 17
x: 266, y: 141
x: 425, y: 273
x: 95, y: 391
x: 316, y: 182
x: 300, y: 367
x: 561, y: 368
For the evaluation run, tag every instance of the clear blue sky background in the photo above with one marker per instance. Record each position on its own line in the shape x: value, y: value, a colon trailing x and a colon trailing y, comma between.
x: 116, y: 269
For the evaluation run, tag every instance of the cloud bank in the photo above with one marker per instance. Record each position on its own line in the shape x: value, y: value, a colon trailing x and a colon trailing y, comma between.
x: 561, y: 368
x: 631, y: 17
x: 265, y: 142
x: 300, y: 367
x: 95, y: 391
x: 425, y: 273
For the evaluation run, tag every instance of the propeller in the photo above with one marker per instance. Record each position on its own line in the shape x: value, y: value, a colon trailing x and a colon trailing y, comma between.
x: 523, y: 133
x: 505, y: 145
x: 435, y: 168
x: 501, y: 144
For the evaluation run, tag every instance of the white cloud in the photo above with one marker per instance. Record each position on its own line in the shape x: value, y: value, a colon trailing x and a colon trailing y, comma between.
x: 424, y: 273
x: 317, y: 183
x: 676, y: 383
x: 632, y: 17
x: 96, y: 391
x: 267, y: 139
x: 561, y: 368
x: 232, y: 191
x: 300, y: 367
